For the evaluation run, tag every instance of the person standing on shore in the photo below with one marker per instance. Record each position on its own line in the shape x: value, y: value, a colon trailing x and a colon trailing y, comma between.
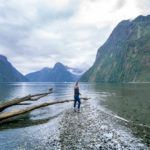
x: 76, y: 97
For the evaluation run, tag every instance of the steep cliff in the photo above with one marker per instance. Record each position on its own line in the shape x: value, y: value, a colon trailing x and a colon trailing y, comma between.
x: 125, y: 56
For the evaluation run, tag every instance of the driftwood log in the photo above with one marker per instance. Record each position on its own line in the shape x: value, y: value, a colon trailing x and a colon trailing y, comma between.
x: 18, y: 101
x: 6, y: 116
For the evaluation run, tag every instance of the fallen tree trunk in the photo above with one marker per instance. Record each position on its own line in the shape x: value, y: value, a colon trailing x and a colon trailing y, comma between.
x: 7, y: 115
x: 25, y: 98
x: 24, y: 104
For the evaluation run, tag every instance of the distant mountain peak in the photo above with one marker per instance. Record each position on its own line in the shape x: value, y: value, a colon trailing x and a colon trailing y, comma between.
x: 3, y: 58
x: 8, y: 73
x: 142, y: 18
x: 59, y: 66
x: 59, y: 73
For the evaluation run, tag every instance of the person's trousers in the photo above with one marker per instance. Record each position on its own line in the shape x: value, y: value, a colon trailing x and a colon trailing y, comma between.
x: 77, y: 100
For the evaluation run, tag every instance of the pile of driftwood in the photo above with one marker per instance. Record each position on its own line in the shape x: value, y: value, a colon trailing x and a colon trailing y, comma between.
x: 6, y: 116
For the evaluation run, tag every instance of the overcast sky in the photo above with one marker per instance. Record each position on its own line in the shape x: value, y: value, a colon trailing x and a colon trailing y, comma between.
x: 38, y: 33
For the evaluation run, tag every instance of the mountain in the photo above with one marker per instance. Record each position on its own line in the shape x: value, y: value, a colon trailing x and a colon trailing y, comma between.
x: 76, y: 71
x: 58, y: 73
x: 39, y: 76
x: 125, y: 56
x: 8, y: 73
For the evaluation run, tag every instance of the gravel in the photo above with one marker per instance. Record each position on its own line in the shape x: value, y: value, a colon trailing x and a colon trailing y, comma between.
x: 92, y: 128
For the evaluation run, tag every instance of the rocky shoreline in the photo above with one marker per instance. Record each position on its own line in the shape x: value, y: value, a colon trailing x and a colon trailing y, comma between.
x: 94, y: 129
x: 91, y: 129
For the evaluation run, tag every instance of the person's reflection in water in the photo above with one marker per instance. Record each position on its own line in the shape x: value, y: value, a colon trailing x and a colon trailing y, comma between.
x: 76, y: 97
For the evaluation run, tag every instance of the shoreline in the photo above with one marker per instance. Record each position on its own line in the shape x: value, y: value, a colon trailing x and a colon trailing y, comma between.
x: 94, y: 129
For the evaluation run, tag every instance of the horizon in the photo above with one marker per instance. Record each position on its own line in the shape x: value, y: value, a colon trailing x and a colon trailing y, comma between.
x: 60, y: 31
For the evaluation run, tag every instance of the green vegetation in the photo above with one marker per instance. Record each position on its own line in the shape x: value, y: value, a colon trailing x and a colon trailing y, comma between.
x: 125, y: 56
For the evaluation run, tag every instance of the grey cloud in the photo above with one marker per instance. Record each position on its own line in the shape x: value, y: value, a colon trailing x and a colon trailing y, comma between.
x: 47, y: 15
x: 43, y: 52
x: 120, y: 4
x: 17, y: 25
x: 144, y: 5
x: 40, y: 39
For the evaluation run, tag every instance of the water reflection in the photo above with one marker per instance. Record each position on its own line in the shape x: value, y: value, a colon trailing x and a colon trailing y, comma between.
x: 130, y: 101
x: 25, y: 121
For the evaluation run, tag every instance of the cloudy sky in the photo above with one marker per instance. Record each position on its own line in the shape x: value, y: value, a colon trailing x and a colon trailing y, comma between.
x: 38, y: 33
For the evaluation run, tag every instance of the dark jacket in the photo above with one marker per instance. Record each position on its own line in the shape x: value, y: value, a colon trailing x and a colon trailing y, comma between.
x: 76, y: 91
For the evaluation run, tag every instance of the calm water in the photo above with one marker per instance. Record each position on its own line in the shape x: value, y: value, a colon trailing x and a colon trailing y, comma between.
x: 131, y: 101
